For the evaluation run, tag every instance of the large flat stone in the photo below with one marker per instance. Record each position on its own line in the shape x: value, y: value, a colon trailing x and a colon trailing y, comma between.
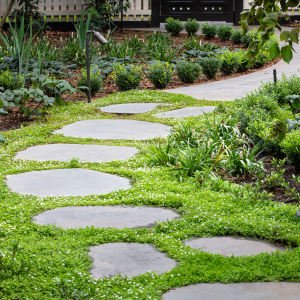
x: 115, y: 129
x: 130, y: 108
x: 85, y: 153
x: 237, y: 291
x: 66, y: 182
x: 105, y: 216
x: 129, y: 259
x: 228, y: 245
x: 186, y: 112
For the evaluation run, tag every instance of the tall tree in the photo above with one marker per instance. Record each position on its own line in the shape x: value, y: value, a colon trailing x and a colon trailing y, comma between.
x: 7, y: 12
x: 268, y: 13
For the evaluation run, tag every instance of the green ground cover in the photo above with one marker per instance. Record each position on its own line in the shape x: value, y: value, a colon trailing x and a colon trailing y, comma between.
x: 53, y: 263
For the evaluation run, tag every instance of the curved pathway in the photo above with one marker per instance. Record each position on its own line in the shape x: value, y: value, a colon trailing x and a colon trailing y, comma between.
x: 238, y: 87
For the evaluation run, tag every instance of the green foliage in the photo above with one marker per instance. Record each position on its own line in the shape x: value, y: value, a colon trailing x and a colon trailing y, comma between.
x: 242, y: 61
x: 229, y: 62
x: 173, y: 26
x: 250, y: 37
x: 160, y: 74
x: 127, y: 79
x: 210, y: 66
x: 188, y: 72
x: 209, y: 30
x: 191, y: 26
x: 96, y: 81
x: 236, y: 36
x: 291, y: 147
x: 224, y: 32
x: 261, y: 59
x: 192, y: 43
x: 9, y: 80
x: 81, y: 30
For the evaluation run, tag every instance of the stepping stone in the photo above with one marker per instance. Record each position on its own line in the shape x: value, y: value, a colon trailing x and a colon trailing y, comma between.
x: 66, y: 182
x: 130, y: 108
x: 105, y: 216
x: 129, y: 259
x: 238, y: 246
x: 186, y: 112
x: 236, y: 291
x: 111, y: 129
x: 85, y: 153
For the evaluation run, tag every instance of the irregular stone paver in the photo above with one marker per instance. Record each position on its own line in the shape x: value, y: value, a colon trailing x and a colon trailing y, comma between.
x: 237, y: 291
x: 130, y: 108
x: 238, y: 246
x: 66, y: 182
x: 115, y: 129
x: 105, y: 216
x: 129, y: 259
x: 238, y: 87
x: 85, y: 153
x: 186, y: 112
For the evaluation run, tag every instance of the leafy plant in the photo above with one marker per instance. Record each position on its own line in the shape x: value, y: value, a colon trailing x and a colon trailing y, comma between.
x: 191, y: 26
x: 209, y: 30
x: 224, y: 32
x: 10, y: 81
x: 173, y: 26
x: 160, y: 74
x: 291, y: 147
x: 261, y: 59
x: 96, y: 82
x: 242, y: 61
x: 192, y: 43
x: 127, y: 79
x: 188, y: 72
x: 210, y: 66
x: 161, y: 51
x: 236, y: 36
x: 228, y: 60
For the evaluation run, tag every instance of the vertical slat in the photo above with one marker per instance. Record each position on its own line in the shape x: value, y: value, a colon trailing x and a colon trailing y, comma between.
x: 56, y: 6
x: 146, y: 5
x: 3, y: 7
x: 78, y: 5
x: 63, y: 5
x: 138, y: 4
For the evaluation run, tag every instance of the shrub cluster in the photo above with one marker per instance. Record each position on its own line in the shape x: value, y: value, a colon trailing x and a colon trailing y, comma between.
x: 209, y: 30
x: 173, y: 26
x: 229, y: 62
x: 160, y: 74
x: 236, y: 36
x: 224, y: 32
x: 210, y: 66
x: 191, y: 26
x: 96, y: 82
x: 10, y: 81
x: 188, y: 72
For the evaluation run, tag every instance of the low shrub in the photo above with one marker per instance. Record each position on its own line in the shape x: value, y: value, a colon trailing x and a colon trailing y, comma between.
x: 250, y: 37
x: 291, y: 147
x: 188, y: 72
x: 209, y: 30
x: 96, y: 82
x: 210, y: 66
x: 173, y: 26
x: 224, y: 32
x: 242, y: 61
x: 229, y: 62
x: 10, y: 81
x: 127, y: 79
x: 160, y: 74
x: 261, y: 59
x: 191, y: 26
x: 236, y: 36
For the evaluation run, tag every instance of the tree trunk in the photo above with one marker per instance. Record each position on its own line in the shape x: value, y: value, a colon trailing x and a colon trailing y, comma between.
x: 7, y: 12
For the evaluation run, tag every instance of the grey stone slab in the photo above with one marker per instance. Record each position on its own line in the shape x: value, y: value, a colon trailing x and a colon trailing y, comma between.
x: 130, y: 108
x: 105, y: 216
x: 85, y: 153
x: 66, y: 182
x: 228, y: 245
x: 129, y: 259
x: 237, y: 291
x: 186, y: 112
x: 115, y: 129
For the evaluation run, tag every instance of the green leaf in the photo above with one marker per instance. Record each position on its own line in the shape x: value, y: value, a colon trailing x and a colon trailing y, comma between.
x: 292, y: 3
x: 58, y: 99
x: 284, y: 35
x: 283, y: 5
x: 245, y: 15
x: 278, y: 131
x: 271, y: 20
x: 2, y: 139
x: 1, y: 103
x: 274, y: 51
x: 294, y: 34
x: 287, y: 53
x: 260, y: 14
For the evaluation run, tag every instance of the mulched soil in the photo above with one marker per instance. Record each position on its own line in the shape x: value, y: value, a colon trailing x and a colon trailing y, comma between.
x: 279, y: 193
x: 8, y: 123
x: 292, y: 24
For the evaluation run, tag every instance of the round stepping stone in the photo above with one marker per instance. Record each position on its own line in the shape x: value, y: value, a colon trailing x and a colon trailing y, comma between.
x: 130, y: 108
x: 105, y: 216
x: 85, y: 153
x: 115, y: 129
x: 186, y: 112
x: 236, y: 291
x: 238, y: 246
x: 66, y: 182
x: 129, y: 259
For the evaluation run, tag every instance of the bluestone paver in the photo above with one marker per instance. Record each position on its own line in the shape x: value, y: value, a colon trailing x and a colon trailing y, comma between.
x: 130, y: 108
x: 186, y: 112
